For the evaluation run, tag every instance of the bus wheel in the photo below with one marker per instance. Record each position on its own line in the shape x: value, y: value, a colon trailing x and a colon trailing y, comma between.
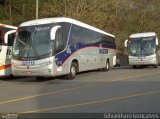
x: 72, y: 72
x: 134, y: 66
x: 156, y: 66
x: 107, y: 66
x: 11, y: 76
x: 40, y: 77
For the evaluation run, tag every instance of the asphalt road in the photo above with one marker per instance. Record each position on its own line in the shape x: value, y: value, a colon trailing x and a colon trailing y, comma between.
x: 122, y: 90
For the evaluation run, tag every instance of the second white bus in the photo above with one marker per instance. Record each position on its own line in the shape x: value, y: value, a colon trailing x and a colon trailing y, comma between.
x: 143, y: 49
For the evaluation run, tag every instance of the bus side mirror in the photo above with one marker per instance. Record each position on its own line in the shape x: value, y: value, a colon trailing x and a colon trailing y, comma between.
x: 156, y: 41
x: 53, y: 32
x: 125, y: 43
x: 7, y: 34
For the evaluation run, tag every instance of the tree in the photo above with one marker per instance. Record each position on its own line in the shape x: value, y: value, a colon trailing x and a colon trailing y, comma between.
x: 119, y: 17
x: 3, y: 2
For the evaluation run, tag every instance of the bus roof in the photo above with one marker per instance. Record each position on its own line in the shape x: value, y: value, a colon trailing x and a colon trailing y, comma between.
x: 146, y: 34
x: 8, y: 26
x: 62, y: 19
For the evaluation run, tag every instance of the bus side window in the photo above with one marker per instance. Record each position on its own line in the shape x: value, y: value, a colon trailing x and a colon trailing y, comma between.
x: 0, y: 37
x: 74, y: 40
x: 59, y: 45
x: 11, y: 39
x: 2, y: 32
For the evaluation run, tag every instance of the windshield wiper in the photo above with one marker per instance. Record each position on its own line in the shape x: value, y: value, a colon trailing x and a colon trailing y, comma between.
x: 22, y: 42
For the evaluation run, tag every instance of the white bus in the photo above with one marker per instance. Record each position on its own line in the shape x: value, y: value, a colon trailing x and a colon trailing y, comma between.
x: 6, y: 42
x: 143, y: 49
x: 60, y: 46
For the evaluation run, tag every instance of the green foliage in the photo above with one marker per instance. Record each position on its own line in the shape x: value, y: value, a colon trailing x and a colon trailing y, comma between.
x: 118, y: 17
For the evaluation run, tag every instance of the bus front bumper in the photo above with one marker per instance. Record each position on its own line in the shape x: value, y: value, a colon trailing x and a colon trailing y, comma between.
x: 148, y: 60
x: 44, y: 67
x: 43, y: 71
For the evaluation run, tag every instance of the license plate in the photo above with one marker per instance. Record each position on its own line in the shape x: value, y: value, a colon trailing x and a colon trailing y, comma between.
x: 27, y: 72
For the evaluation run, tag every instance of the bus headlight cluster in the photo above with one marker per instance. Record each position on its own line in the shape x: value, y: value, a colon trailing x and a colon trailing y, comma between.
x: 15, y: 64
x: 152, y: 57
x: 46, y: 63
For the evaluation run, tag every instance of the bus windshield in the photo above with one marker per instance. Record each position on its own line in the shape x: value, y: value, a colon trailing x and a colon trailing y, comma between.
x: 135, y: 47
x: 33, y: 41
x: 142, y: 46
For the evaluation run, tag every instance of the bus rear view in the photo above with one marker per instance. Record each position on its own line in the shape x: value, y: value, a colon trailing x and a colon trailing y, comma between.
x: 143, y: 50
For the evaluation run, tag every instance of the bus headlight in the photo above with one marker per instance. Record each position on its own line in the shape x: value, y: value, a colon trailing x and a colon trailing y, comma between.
x: 46, y: 63
x: 153, y: 57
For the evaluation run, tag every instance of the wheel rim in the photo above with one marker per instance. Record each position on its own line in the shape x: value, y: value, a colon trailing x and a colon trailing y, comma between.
x: 107, y: 65
x: 73, y: 71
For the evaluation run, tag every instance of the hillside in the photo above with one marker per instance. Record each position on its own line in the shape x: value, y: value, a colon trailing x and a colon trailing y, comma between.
x: 119, y: 17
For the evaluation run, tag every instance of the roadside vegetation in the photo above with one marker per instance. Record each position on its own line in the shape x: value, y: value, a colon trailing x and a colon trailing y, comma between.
x: 118, y: 17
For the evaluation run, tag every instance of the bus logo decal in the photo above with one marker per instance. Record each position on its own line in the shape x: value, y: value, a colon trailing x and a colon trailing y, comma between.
x: 103, y: 50
x: 28, y: 63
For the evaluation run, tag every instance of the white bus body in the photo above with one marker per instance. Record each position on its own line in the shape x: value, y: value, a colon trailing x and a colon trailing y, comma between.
x: 6, y: 40
x: 143, y: 49
x: 60, y: 46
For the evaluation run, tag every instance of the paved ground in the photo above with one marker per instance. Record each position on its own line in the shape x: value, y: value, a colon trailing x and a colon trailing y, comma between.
x: 123, y: 90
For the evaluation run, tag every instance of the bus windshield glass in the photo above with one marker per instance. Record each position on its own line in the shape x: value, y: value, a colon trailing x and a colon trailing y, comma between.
x: 142, y: 46
x: 135, y: 46
x: 33, y: 41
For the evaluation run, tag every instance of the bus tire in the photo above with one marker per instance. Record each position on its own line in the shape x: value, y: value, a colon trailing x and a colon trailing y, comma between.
x: 11, y: 76
x: 40, y: 77
x: 72, y: 72
x: 134, y: 66
x: 156, y: 66
x: 107, y: 66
